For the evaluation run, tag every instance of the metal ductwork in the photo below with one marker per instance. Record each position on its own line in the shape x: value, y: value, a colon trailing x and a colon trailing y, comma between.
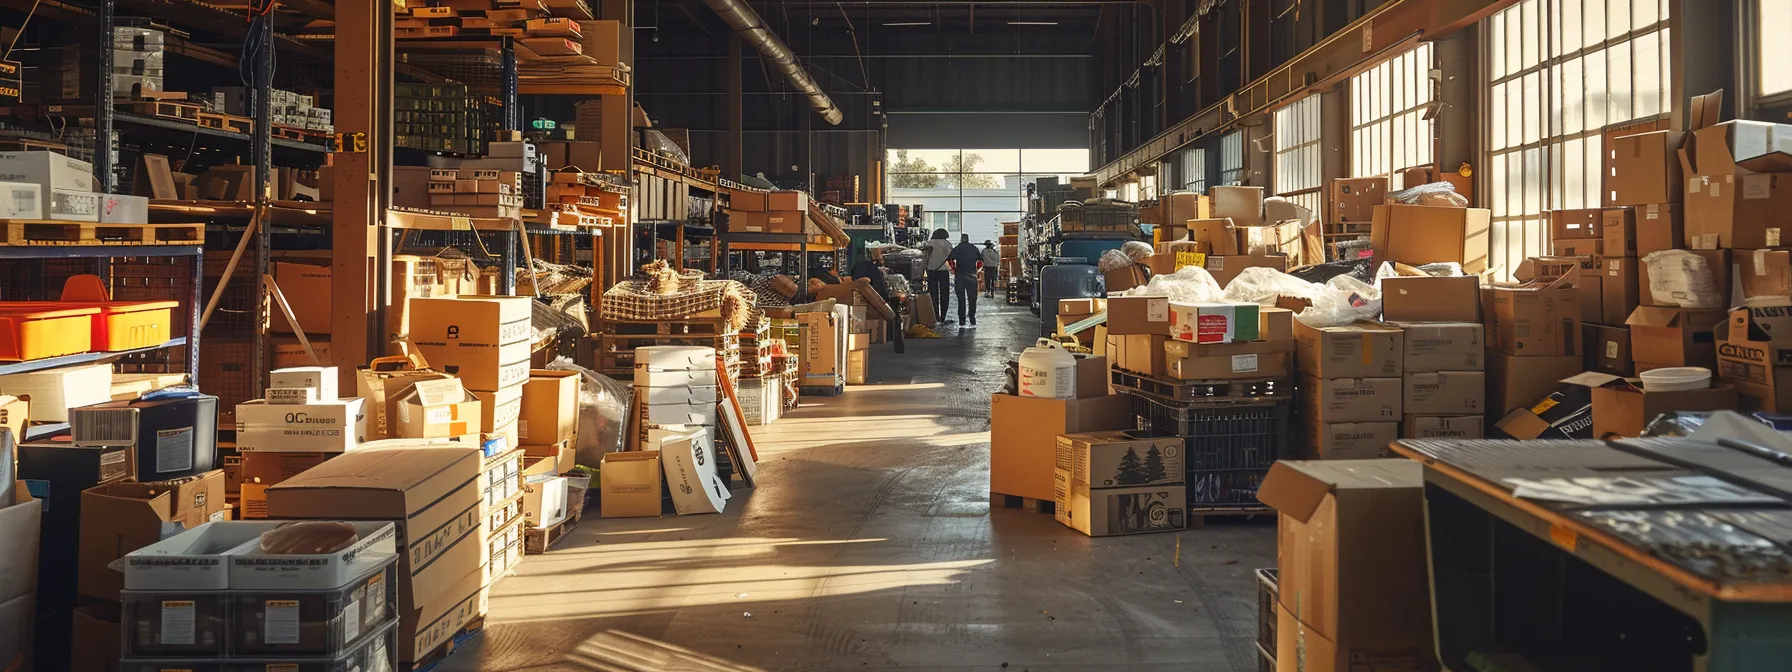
x: 745, y: 21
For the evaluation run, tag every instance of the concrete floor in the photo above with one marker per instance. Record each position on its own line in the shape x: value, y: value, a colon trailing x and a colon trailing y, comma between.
x: 870, y: 544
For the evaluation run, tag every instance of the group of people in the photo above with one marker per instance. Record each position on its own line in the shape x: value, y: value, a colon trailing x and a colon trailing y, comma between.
x: 955, y: 268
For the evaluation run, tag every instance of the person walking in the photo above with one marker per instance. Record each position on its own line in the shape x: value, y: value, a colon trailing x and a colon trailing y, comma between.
x: 868, y: 269
x: 939, y: 278
x: 992, y: 258
x: 966, y: 261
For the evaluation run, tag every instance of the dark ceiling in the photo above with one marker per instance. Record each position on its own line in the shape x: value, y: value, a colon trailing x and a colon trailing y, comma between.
x: 890, y: 19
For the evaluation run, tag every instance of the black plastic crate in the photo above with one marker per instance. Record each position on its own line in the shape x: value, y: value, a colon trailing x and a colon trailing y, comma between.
x: 1224, y: 490
x: 1229, y: 447
x: 1267, y: 581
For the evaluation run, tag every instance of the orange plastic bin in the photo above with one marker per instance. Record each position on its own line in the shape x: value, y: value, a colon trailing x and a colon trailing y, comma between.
x: 35, y: 332
x: 120, y: 325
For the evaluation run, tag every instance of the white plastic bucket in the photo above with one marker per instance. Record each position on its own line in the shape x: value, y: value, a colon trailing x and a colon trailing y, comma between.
x: 1047, y: 370
x: 1676, y: 378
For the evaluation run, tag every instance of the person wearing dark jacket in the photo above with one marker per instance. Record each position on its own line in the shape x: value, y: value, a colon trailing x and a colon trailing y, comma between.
x: 966, y: 260
x: 939, y: 278
x: 868, y: 269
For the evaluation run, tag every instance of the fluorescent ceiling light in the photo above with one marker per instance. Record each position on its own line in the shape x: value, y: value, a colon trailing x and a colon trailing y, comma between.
x: 1032, y: 23
x: 908, y: 23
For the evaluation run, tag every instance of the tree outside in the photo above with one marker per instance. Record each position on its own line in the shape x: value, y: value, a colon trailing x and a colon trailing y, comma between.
x: 956, y: 173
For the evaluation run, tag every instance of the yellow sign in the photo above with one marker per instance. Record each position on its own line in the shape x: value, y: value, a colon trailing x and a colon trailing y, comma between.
x: 1191, y: 259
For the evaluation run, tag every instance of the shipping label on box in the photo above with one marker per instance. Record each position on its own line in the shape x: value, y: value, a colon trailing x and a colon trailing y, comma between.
x: 1444, y: 426
x: 325, y: 427
x: 1351, y: 440
x: 1352, y: 399
x: 1443, y: 346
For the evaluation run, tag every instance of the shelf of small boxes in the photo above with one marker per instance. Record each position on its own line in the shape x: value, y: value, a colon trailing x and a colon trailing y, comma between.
x: 479, y: 193
x: 577, y: 200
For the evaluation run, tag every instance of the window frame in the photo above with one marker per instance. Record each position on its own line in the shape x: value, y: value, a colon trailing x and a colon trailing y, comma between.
x: 1304, y: 119
x: 1750, y: 59
x: 1396, y: 89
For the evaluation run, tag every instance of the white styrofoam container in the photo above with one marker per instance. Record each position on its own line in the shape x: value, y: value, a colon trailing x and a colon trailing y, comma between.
x: 684, y: 394
x: 21, y: 200
x: 682, y: 414
x: 123, y: 209
x: 252, y: 569
x: 650, y: 378
x: 49, y: 170
x: 73, y: 205
x: 674, y: 357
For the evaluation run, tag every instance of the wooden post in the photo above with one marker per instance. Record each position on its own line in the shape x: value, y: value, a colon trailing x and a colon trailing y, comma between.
x: 363, y: 106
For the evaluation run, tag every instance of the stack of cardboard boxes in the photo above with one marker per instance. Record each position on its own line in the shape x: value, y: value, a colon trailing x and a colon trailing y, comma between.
x: 1533, y: 331
x: 1231, y: 229
x: 1024, y: 432
x: 485, y: 342
x: 477, y: 192
x: 1351, y: 389
x: 1444, y: 354
x: 752, y: 211
x: 1010, y: 250
x: 1114, y: 482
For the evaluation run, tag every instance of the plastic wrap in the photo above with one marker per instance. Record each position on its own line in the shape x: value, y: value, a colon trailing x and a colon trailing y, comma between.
x: 1114, y: 260
x: 1261, y: 284
x: 1189, y: 284
x: 664, y: 146
x: 603, y: 413
x: 1136, y: 250
x: 1344, y: 300
x: 1681, y: 278
x: 1436, y: 193
x: 1676, y: 424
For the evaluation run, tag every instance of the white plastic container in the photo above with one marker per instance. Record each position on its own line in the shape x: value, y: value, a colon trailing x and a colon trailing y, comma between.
x: 1676, y: 378
x: 1047, y: 371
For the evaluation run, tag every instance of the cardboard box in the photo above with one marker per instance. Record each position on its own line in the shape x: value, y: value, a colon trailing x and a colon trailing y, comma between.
x: 1659, y: 227
x: 1350, y: 547
x: 1213, y: 322
x: 1517, y: 382
x: 1623, y: 408
x: 1577, y: 224
x: 545, y: 502
x: 438, y: 409
x: 1764, y: 273
x: 1565, y: 412
x: 306, y: 288
x: 1091, y: 377
x: 1608, y: 350
x: 1354, y: 199
x: 484, y: 340
x: 54, y: 391
x: 120, y: 517
x: 1445, y: 393
x: 1737, y: 211
x: 1138, y: 315
x: 499, y: 410
x: 1619, y: 289
x: 795, y: 201
x: 1106, y: 512
x: 1416, y: 235
x: 1586, y: 248
x: 289, y: 353
x: 1141, y: 353
x: 1754, y: 354
x: 1618, y: 229
x: 97, y: 641
x: 324, y: 427
x: 629, y: 484
x: 1333, y: 400
x: 1122, y: 279
x: 1257, y: 359
x: 687, y: 457
x: 550, y: 411
x: 1119, y: 459
x: 1349, y: 440
x: 1675, y: 336
x: 430, y: 492
x: 21, y: 522
x: 1224, y: 268
x: 1444, y: 426
x: 48, y: 170
x: 1024, y: 433
x: 1242, y: 205
x: 1285, y: 238
x: 1536, y: 318
x: 1442, y: 346
x: 1182, y: 206
x: 1592, y: 297
x: 1360, y: 350
x: 1431, y: 299
x: 1209, y: 236
x: 1645, y: 169
x: 382, y: 383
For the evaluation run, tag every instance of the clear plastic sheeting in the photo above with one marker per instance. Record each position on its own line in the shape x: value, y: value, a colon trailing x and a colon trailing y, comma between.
x: 663, y: 146
x: 1189, y: 284
x: 1262, y: 284
x: 1681, y: 278
x: 603, y: 412
x: 1361, y: 269
x: 1341, y: 300
x: 1436, y: 193
x: 1113, y: 260
x: 1137, y: 250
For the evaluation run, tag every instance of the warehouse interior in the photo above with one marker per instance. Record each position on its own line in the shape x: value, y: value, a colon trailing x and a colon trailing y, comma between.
x: 946, y: 335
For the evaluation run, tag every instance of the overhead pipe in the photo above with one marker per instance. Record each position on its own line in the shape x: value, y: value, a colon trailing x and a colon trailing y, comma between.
x: 751, y: 28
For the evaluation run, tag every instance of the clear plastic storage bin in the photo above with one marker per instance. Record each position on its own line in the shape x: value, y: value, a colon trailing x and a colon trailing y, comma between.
x: 175, y: 624
x: 322, y: 623
x: 375, y: 651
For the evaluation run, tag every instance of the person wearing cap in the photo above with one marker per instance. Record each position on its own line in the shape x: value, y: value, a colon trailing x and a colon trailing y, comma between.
x: 992, y: 258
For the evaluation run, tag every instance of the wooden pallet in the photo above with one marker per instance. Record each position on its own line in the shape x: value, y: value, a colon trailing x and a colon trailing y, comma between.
x: 537, y: 541
x: 55, y: 232
x: 166, y: 109
x: 226, y: 122
x: 293, y: 133
x: 466, y: 634
x: 709, y: 326
x: 1218, y: 391
x: 1028, y: 504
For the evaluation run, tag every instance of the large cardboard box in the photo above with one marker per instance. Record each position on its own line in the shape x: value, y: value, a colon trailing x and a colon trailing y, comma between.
x: 431, y: 492
x: 1764, y: 273
x: 1618, y: 229
x: 334, y: 426
x: 1363, y: 349
x: 1224, y: 361
x: 1332, y: 400
x: 306, y: 288
x: 1619, y: 289
x: 1623, y: 408
x: 821, y: 347
x: 550, y: 411
x: 1540, y: 317
x: 1181, y: 206
x: 1659, y: 227
x: 1121, y: 459
x: 1024, y: 434
x: 1577, y: 224
x: 1350, y: 547
x: 1349, y: 440
x: 1645, y: 169
x: 1431, y: 299
x: 1353, y: 199
x: 1608, y: 350
x: 1416, y: 235
x: 1138, y: 315
x: 1754, y: 354
x: 1217, y: 322
x: 1445, y: 393
x: 481, y: 339
x: 1675, y: 336
x: 438, y: 409
x: 120, y: 517
x: 1243, y: 205
x: 1444, y: 426
x: 629, y: 484
x: 382, y: 383
x: 1105, y: 512
x: 1737, y: 211
x: 1208, y: 236
x: 1442, y: 346
x: 1517, y: 382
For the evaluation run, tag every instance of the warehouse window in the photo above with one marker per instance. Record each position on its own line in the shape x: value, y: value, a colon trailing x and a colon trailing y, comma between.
x: 973, y: 191
x: 1297, y: 155
x: 1561, y: 71
x: 1388, y: 128
x: 1192, y: 170
x: 1232, y: 158
x: 1773, y: 21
